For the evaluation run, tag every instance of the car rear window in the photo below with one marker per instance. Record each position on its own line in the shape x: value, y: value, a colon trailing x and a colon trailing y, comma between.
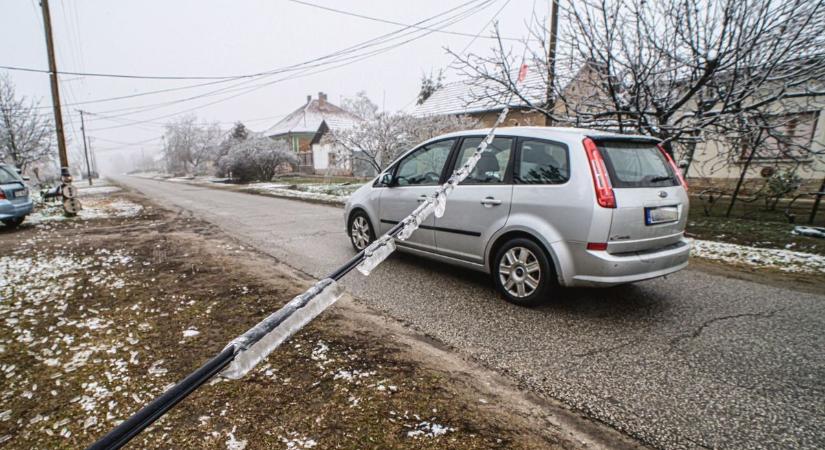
x: 542, y: 162
x: 637, y: 165
x: 8, y: 176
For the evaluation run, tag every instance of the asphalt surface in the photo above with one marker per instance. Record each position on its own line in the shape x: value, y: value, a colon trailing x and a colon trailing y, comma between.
x: 690, y: 361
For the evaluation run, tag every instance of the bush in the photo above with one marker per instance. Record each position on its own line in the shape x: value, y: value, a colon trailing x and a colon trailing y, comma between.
x: 256, y: 159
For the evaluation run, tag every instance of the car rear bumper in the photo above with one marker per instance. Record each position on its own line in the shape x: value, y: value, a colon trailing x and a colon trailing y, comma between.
x: 600, y: 268
x: 9, y: 210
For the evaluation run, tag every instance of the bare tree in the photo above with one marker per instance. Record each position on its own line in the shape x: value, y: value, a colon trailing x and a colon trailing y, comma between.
x: 781, y: 139
x: 25, y: 135
x: 670, y: 68
x: 382, y: 136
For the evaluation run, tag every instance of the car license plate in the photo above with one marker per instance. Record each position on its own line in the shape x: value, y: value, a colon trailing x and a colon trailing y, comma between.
x: 661, y: 214
x: 21, y: 193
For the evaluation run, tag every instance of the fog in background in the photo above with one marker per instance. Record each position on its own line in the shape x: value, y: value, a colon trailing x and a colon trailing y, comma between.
x: 218, y: 39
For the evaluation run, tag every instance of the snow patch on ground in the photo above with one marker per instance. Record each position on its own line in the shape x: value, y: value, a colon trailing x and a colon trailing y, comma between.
x: 297, y: 442
x: 191, y: 332
x: 93, y: 208
x: 428, y: 430
x: 234, y: 444
x: 34, y: 288
x: 97, y: 190
x: 784, y: 260
x: 282, y: 190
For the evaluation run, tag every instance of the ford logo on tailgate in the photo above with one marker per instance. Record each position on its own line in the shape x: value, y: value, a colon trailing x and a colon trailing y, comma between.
x: 662, y: 194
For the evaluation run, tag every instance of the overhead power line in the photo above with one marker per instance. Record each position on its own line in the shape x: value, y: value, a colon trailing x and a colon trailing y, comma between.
x: 120, y: 75
x: 318, y: 61
x: 248, y: 75
x: 392, y: 22
x: 345, y: 58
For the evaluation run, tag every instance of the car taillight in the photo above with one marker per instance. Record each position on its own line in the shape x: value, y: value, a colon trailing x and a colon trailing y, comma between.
x: 2, y: 195
x: 597, y: 246
x: 601, y: 181
x: 673, y: 165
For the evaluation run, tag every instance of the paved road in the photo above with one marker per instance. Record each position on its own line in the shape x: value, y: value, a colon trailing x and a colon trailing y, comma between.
x: 690, y: 361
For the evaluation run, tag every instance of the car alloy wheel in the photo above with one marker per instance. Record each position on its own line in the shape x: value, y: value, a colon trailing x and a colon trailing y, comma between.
x: 360, y: 232
x: 519, y: 272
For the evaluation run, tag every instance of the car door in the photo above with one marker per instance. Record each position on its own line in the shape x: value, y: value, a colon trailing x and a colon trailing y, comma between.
x: 415, y: 177
x: 479, y: 206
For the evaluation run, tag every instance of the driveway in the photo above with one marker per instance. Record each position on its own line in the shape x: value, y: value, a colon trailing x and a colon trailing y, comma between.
x: 690, y: 361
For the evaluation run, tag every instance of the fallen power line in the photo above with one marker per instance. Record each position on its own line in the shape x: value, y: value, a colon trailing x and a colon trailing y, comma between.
x: 248, y: 349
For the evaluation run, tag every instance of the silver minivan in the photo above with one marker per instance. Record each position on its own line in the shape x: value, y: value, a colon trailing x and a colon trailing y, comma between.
x: 544, y: 207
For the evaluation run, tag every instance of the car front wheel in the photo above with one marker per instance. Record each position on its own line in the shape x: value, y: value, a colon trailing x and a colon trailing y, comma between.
x: 522, y: 272
x: 360, y: 231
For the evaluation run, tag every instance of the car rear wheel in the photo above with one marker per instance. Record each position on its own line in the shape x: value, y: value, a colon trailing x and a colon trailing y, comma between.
x: 522, y: 272
x: 14, y: 223
x: 360, y: 231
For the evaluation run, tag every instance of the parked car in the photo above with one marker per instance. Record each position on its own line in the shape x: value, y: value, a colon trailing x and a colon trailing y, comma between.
x: 15, y: 203
x: 544, y: 208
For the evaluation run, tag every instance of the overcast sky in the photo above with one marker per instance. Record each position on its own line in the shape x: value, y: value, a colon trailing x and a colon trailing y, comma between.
x: 197, y: 38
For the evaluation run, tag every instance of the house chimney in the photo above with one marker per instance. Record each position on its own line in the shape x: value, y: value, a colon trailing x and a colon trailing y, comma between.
x: 322, y: 99
x: 309, y: 99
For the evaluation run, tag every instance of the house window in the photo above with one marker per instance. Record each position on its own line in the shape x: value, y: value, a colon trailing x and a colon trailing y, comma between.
x: 783, y: 137
x: 333, y: 159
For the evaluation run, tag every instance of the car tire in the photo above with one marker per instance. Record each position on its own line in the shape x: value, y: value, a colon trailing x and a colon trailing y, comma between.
x: 14, y: 223
x: 523, y: 273
x: 359, y: 229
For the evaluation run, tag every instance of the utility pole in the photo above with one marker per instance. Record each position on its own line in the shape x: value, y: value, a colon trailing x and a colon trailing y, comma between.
x: 71, y: 205
x: 95, y: 171
x: 85, y: 149
x: 93, y: 158
x: 551, y: 57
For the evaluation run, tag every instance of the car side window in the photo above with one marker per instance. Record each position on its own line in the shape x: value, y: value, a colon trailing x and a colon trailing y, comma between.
x: 423, y: 167
x: 542, y: 162
x: 492, y: 166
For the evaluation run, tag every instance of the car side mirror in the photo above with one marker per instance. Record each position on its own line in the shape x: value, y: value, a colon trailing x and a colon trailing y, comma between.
x: 386, y: 179
x: 683, y: 163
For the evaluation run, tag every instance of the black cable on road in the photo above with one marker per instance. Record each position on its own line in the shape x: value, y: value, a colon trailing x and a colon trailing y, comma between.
x: 147, y: 415
x: 124, y: 432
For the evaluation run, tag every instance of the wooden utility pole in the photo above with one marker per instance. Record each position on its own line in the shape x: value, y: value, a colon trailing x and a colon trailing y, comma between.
x: 71, y: 205
x: 551, y: 57
x: 85, y: 149
x: 58, y: 114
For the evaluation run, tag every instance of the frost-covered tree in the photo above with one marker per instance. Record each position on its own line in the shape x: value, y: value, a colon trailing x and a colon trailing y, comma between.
x: 382, y: 136
x: 257, y: 159
x: 25, y: 135
x: 429, y: 84
x: 190, y: 144
x: 237, y: 134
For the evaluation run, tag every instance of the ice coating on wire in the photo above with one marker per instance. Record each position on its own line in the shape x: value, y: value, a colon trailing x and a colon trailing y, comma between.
x: 376, y: 253
x: 437, y: 202
x: 259, y: 341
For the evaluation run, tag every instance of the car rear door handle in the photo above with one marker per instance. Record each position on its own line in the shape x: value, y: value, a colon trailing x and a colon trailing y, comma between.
x: 490, y: 201
x: 422, y: 198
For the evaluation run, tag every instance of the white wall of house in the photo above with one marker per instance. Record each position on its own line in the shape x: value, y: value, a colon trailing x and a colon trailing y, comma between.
x: 715, y: 160
x: 325, y: 160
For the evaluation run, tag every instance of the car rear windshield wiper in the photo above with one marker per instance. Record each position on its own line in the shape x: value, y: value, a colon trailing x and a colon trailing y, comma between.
x: 662, y: 178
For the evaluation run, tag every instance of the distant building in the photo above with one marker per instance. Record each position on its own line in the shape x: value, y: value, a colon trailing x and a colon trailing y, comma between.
x: 484, y: 101
x: 304, y: 128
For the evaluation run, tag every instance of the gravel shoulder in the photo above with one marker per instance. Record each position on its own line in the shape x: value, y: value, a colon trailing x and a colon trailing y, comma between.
x: 97, y: 322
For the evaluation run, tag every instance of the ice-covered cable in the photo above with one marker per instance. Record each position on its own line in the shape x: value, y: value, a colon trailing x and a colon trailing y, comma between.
x: 259, y: 341
x: 376, y: 253
x: 436, y: 203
